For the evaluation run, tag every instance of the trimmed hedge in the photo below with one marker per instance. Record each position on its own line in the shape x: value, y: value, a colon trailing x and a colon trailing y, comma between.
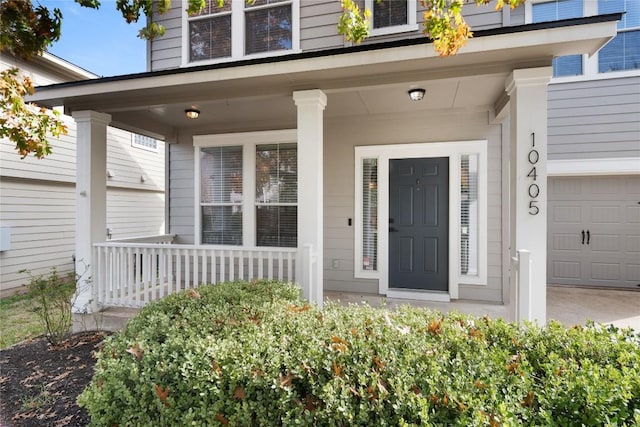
x: 255, y: 354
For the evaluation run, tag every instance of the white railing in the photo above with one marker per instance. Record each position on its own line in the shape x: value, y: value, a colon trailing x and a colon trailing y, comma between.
x: 159, y: 239
x: 133, y: 274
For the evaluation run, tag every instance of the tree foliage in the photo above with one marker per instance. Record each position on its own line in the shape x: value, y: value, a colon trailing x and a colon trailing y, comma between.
x: 26, y: 30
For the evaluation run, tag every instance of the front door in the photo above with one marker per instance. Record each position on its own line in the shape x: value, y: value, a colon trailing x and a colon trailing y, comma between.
x: 419, y: 223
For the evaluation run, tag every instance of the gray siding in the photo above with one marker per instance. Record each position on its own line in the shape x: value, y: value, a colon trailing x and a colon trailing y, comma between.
x: 181, y: 192
x: 166, y: 51
x: 594, y: 119
x: 318, y: 29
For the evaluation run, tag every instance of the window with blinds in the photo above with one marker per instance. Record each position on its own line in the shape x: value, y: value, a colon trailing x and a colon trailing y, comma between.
x: 210, y: 32
x: 469, y: 232
x: 389, y: 13
x: 623, y: 51
x: 240, y: 28
x: 570, y: 65
x: 370, y: 214
x: 268, y: 26
x: 221, y: 195
x: 277, y: 195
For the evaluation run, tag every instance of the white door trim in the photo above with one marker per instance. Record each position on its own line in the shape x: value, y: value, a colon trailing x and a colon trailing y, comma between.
x: 453, y: 150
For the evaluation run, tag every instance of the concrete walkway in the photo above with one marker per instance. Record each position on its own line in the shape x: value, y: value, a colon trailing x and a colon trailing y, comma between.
x: 568, y: 305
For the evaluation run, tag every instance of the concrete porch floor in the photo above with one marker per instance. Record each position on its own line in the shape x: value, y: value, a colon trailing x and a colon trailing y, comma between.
x: 569, y: 305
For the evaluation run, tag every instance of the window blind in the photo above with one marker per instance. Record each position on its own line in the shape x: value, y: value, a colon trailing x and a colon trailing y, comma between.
x: 267, y: 28
x: 370, y: 214
x: 469, y: 233
x: 389, y: 13
x: 221, y: 195
x: 277, y: 195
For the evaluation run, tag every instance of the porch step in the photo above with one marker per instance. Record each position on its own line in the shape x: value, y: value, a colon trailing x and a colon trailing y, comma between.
x: 110, y: 319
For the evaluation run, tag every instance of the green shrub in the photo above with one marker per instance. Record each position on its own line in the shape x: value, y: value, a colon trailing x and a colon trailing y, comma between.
x: 255, y: 354
x: 52, y: 300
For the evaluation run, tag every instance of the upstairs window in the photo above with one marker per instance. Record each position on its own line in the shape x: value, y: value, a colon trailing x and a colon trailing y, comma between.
x: 570, y: 65
x: 623, y: 52
x: 392, y: 16
x: 240, y: 28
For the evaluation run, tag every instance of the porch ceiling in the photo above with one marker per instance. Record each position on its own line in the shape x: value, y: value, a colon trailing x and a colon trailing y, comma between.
x: 256, y: 96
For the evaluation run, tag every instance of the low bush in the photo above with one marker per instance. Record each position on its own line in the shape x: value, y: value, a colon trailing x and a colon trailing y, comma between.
x: 255, y: 354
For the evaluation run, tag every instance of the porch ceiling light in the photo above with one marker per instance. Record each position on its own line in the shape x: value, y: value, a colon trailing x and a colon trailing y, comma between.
x: 417, y: 94
x: 192, y: 113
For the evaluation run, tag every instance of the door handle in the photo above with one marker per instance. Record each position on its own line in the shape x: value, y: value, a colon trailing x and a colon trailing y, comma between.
x: 588, y: 236
x: 583, y: 237
x: 393, y: 230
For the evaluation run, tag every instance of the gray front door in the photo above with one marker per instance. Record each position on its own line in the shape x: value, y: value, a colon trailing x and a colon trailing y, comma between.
x: 419, y: 223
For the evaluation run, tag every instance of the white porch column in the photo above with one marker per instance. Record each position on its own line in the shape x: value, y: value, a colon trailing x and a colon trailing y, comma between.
x: 310, y: 104
x: 527, y: 89
x: 91, y: 199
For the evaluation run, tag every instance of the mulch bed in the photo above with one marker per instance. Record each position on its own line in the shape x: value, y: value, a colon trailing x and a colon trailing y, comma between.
x: 39, y: 383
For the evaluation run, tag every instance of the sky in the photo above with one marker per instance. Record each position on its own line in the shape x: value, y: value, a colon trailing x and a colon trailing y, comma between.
x: 100, y: 40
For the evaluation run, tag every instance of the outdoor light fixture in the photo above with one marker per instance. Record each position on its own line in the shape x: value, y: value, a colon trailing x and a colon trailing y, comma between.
x: 192, y: 113
x: 416, y: 94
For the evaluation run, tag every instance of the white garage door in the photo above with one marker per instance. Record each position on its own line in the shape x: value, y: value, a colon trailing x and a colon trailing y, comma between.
x: 594, y: 231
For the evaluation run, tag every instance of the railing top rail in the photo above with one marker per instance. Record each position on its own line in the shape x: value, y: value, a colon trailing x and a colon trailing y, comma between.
x: 121, y: 244
x: 145, y: 239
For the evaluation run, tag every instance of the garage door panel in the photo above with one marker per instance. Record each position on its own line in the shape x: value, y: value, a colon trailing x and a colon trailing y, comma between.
x: 608, y: 214
x: 606, y: 208
x: 633, y: 273
x: 567, y: 214
x: 566, y: 242
x: 566, y: 270
x: 605, y: 242
x: 633, y: 244
x: 605, y: 271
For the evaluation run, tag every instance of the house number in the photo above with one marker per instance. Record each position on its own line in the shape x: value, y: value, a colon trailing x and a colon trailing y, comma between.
x: 534, y: 189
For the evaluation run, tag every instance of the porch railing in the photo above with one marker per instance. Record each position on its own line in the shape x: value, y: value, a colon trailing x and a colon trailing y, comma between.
x: 134, y: 274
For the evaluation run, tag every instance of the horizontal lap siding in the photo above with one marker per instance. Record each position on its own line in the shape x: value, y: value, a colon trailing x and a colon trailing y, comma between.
x: 166, y: 51
x: 42, y: 220
x: 181, y: 192
x: 133, y: 213
x: 341, y: 136
x: 594, y: 119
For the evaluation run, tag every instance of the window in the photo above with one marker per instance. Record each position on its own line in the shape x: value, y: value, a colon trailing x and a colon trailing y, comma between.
x: 392, y: 16
x: 370, y: 214
x: 570, y: 65
x: 144, y: 142
x: 221, y: 195
x: 277, y: 195
x: 623, y: 52
x: 240, y: 28
x: 247, y: 189
x: 469, y: 214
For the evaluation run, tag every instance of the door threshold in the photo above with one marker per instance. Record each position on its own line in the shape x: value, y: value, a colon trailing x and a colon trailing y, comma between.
x: 416, y: 294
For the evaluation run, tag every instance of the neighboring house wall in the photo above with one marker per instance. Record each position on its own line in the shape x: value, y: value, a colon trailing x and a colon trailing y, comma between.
x: 37, y: 197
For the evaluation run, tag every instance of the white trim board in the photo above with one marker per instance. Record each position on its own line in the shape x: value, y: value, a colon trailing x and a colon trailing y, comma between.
x: 453, y: 150
x: 583, y: 167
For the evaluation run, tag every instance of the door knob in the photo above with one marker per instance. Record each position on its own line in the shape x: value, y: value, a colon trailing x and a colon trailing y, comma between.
x: 393, y: 230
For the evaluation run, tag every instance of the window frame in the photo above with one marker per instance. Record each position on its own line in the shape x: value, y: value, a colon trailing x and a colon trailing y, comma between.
x: 411, y: 25
x: 248, y: 141
x: 590, y: 64
x: 238, y: 38
x: 453, y: 150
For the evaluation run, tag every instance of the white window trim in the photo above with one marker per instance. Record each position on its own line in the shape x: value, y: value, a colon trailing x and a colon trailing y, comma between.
x: 589, y: 63
x: 248, y: 141
x: 454, y: 150
x: 238, y: 35
x: 411, y: 25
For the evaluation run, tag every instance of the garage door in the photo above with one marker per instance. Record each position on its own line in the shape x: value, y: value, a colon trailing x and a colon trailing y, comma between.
x: 594, y: 231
